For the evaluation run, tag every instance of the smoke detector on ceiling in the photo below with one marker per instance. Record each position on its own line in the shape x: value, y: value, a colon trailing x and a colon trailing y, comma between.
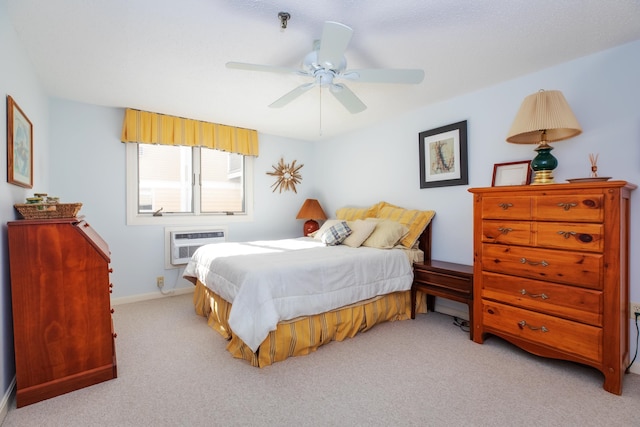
x: 284, y: 18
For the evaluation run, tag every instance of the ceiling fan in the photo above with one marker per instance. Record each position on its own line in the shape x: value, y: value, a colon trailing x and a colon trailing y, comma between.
x: 326, y: 64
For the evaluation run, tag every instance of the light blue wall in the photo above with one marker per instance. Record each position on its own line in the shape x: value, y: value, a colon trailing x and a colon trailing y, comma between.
x: 85, y: 162
x: 18, y: 80
x: 88, y: 166
x: 381, y: 162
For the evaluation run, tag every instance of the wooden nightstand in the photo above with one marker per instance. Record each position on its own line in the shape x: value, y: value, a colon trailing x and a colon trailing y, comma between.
x: 446, y: 280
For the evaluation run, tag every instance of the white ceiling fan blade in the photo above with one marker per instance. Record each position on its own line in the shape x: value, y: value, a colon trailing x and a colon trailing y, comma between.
x: 385, y: 75
x: 290, y: 96
x: 333, y: 44
x: 347, y: 98
x: 267, y: 68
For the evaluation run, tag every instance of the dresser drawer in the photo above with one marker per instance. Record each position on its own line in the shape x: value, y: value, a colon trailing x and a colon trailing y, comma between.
x: 559, y: 334
x: 557, y: 235
x: 568, y: 302
x: 578, y: 208
x: 573, y: 236
x: 507, y: 232
x: 506, y: 207
x: 573, y: 268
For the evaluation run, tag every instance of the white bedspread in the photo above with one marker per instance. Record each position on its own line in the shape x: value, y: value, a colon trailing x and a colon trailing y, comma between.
x: 271, y: 281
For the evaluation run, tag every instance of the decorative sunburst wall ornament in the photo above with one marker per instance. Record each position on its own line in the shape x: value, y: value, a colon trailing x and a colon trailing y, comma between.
x: 288, y: 176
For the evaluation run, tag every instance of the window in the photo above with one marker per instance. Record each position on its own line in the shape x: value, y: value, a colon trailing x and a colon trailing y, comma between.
x: 222, y: 183
x: 187, y: 185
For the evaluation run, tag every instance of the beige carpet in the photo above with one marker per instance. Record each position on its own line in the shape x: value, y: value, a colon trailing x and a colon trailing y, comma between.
x: 174, y: 371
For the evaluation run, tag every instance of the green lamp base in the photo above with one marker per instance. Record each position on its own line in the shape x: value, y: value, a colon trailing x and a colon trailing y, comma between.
x: 543, y: 165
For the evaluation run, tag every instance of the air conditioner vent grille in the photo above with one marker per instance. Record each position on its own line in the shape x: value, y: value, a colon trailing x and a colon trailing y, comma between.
x: 199, y: 235
x: 185, y: 243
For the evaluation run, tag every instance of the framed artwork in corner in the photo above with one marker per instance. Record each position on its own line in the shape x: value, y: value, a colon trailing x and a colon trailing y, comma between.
x: 19, y: 146
x: 512, y: 173
x: 443, y: 156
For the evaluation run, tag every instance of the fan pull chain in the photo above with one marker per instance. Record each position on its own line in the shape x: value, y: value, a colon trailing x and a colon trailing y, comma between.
x: 320, y: 108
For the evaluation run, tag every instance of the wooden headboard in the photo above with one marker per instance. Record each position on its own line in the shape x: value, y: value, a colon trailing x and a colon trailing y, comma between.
x: 424, y: 242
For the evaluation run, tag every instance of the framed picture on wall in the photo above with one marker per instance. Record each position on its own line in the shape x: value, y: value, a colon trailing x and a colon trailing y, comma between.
x: 19, y: 146
x: 512, y: 173
x: 443, y: 156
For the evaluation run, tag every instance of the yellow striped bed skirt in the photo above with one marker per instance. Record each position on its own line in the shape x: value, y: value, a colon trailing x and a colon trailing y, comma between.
x: 304, y: 335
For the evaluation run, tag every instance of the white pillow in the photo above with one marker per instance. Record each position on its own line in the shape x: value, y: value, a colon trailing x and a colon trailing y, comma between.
x: 360, y: 230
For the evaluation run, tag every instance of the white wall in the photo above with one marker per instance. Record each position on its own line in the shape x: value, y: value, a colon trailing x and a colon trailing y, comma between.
x: 18, y: 80
x: 88, y: 166
x: 381, y: 163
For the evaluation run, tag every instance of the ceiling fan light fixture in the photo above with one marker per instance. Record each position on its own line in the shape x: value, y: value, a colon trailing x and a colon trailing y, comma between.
x: 312, y: 64
x: 324, y: 77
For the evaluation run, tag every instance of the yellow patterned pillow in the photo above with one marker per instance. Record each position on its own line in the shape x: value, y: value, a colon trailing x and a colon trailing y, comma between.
x: 374, y: 209
x: 352, y: 214
x: 415, y: 220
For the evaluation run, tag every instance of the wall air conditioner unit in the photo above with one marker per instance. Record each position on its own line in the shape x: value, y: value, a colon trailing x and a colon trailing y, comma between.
x: 183, y: 244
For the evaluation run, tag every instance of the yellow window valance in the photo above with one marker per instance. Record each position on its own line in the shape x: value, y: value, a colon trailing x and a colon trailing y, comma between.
x: 154, y: 128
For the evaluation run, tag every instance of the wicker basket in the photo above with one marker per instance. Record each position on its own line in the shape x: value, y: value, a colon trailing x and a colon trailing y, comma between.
x: 48, y: 211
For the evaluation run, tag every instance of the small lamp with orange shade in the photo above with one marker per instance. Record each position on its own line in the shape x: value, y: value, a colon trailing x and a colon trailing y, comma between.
x: 311, y: 211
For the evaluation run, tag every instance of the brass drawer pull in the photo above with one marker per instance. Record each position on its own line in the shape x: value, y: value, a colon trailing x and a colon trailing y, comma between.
x: 567, y: 206
x: 505, y: 206
x: 522, y: 324
x: 567, y: 234
x: 582, y: 237
x: 542, y: 263
x: 542, y: 295
x: 504, y: 230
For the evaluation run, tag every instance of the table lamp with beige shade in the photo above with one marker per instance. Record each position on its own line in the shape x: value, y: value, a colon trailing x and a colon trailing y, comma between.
x: 544, y: 116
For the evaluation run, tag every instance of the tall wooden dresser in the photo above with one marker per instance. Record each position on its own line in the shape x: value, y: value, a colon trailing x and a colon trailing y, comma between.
x: 551, y: 271
x: 63, y: 330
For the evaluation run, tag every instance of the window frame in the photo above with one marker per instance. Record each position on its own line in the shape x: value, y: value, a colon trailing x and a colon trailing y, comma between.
x: 135, y: 218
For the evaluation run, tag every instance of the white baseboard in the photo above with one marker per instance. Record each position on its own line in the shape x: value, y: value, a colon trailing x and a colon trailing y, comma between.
x: 6, y: 400
x: 154, y: 295
x: 452, y: 308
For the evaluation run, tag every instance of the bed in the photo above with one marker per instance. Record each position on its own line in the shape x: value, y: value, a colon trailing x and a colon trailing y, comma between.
x: 277, y: 299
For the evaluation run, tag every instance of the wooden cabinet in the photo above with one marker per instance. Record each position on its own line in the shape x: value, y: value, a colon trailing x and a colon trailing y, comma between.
x: 551, y: 271
x: 63, y: 330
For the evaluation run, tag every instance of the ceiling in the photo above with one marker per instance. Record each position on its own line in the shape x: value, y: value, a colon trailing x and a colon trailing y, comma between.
x: 168, y: 56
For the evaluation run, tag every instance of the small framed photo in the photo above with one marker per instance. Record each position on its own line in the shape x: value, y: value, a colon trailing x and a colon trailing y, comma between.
x: 19, y: 146
x: 512, y: 173
x: 443, y: 156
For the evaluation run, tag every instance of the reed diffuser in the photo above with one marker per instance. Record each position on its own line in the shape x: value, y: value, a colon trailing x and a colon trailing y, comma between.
x: 593, y: 158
